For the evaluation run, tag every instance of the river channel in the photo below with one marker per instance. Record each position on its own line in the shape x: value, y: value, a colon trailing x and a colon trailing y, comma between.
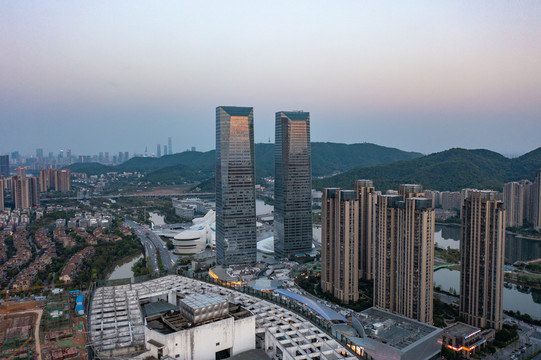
x: 124, y: 271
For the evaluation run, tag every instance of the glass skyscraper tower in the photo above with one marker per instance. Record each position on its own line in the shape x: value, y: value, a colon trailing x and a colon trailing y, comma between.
x: 235, y: 186
x: 293, y: 184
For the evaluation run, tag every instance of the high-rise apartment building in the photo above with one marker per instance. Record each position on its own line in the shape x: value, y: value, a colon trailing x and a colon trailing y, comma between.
x: 39, y: 154
x: 404, y: 254
x: 536, y: 194
x: 513, y: 201
x: 57, y: 180
x: 434, y: 196
x: 43, y: 180
x: 21, y: 171
x: 527, y: 211
x: 34, y: 190
x: 158, y: 150
x: 339, y: 244
x: 410, y: 190
x: 415, y: 282
x: 293, y: 184
x: 387, y: 236
x: 451, y: 200
x: 62, y: 180
x: 235, y: 186
x: 51, y: 176
x: 20, y: 192
x: 4, y: 165
x: 366, y: 194
x: 482, y: 259
x: 126, y: 156
x: 169, y: 146
x: 2, y: 186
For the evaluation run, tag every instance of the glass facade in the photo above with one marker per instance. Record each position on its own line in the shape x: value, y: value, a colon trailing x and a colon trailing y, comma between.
x: 235, y: 186
x: 4, y: 165
x: 293, y: 185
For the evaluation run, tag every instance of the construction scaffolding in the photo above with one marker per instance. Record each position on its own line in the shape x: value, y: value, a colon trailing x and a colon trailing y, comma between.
x: 56, y: 313
x: 16, y: 337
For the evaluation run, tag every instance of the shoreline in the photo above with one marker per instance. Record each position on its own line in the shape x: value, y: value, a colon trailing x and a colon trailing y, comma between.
x: 447, y: 224
x: 507, y: 232
x: 520, y: 236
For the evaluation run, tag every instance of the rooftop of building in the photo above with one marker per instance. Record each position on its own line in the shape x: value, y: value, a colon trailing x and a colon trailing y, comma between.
x: 296, y: 115
x: 199, y: 301
x: 237, y: 110
x: 393, y: 330
x: 461, y: 330
x: 174, y: 320
x: 256, y: 354
x: 411, y: 187
x: 157, y: 308
x: 116, y: 322
x: 364, y: 182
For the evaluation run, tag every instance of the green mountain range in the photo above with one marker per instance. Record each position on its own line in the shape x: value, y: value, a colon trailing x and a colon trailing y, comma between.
x: 451, y: 170
x: 327, y: 158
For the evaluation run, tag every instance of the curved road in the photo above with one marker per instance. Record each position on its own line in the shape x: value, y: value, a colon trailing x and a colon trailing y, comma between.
x: 154, y: 246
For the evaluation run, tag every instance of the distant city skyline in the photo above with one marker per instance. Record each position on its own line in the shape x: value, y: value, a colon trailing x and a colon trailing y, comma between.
x: 147, y: 150
x: 420, y: 77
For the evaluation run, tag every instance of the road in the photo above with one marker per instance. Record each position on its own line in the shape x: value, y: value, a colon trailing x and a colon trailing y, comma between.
x: 154, y: 246
x: 520, y: 349
x: 162, y: 249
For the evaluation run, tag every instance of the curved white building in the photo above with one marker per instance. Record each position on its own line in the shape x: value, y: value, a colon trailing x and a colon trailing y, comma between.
x: 198, y: 237
x: 266, y: 246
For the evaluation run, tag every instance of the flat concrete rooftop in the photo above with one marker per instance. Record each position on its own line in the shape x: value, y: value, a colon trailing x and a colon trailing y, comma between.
x: 394, y: 330
x: 460, y: 330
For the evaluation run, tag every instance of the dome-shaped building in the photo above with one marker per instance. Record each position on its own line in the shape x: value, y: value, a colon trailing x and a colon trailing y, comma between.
x: 198, y: 236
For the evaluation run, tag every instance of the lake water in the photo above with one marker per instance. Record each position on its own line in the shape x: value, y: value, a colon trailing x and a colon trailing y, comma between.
x: 447, y: 236
x: 124, y: 271
x: 520, y: 249
x: 516, y: 248
x: 516, y: 298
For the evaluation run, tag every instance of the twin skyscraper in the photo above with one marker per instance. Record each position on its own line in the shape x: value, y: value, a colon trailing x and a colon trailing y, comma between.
x: 235, y: 185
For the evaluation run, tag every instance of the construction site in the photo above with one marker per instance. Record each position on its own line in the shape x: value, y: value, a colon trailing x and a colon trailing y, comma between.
x: 19, y: 326
x: 49, y: 329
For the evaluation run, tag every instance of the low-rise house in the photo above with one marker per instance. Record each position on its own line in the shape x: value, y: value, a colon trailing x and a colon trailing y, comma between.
x: 71, y: 270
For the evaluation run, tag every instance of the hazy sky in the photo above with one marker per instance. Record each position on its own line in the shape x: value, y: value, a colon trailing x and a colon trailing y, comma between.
x: 418, y: 75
